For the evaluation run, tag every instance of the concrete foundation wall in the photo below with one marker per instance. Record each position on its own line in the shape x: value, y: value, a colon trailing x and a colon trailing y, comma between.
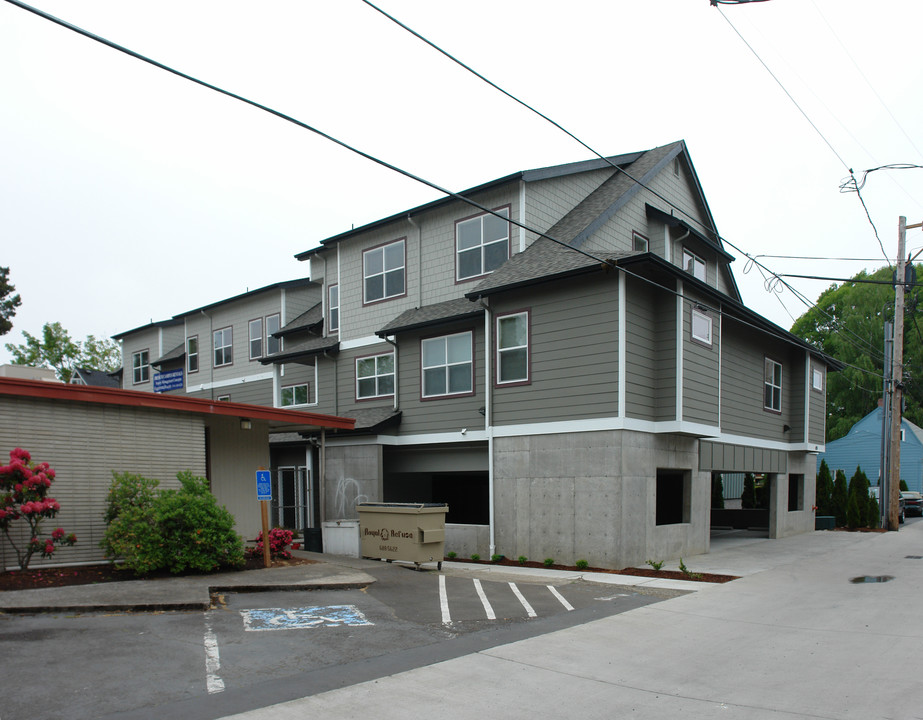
x: 466, y: 540
x: 782, y: 521
x: 352, y: 474
x: 592, y: 496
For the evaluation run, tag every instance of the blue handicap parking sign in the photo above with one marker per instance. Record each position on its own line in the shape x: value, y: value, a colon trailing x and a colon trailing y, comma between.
x: 263, y: 485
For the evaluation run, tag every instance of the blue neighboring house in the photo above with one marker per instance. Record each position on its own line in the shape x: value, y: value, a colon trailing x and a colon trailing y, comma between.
x: 861, y: 446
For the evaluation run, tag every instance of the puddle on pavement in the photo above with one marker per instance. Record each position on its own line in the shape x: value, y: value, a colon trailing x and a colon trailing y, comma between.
x: 871, y: 579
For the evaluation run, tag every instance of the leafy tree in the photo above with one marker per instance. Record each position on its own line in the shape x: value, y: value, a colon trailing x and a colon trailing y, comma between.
x: 840, y: 498
x: 874, y: 516
x: 903, y: 485
x: 8, y: 301
x: 853, y: 515
x: 847, y: 323
x: 717, y: 491
x: 56, y: 349
x: 824, y: 491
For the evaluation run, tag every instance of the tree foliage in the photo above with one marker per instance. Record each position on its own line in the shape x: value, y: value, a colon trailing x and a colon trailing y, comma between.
x: 56, y: 349
x: 840, y: 498
x: 8, y: 301
x: 847, y: 323
x: 824, y: 491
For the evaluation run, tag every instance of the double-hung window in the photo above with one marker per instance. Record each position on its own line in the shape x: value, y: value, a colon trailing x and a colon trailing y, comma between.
x: 140, y: 367
x: 256, y: 338
x: 817, y: 379
x: 192, y: 354
x: 447, y: 365
x: 375, y: 376
x: 294, y: 395
x: 482, y: 244
x: 224, y: 346
x: 273, y: 344
x: 513, y: 348
x: 333, y: 308
x: 694, y: 265
x: 383, y: 272
x: 772, y: 385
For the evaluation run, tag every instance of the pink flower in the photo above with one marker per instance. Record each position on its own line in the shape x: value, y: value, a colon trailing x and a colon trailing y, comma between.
x: 20, y: 454
x: 58, y: 533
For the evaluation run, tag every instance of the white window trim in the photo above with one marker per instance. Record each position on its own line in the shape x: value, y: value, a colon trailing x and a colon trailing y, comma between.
x: 190, y: 355
x: 269, y: 337
x: 701, y: 316
x: 817, y: 379
x: 331, y: 308
x: 230, y: 344
x: 637, y: 239
x: 769, y: 382
x: 500, y: 350
x: 142, y: 368
x: 480, y: 219
x: 697, y: 262
x: 376, y: 376
x: 307, y: 394
x: 257, y: 339
x: 446, y: 366
x: 384, y: 272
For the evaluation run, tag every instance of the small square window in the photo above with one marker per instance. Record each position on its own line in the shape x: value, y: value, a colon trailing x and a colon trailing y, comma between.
x: 294, y: 395
x: 482, y: 244
x: 701, y: 326
x: 375, y: 376
x: 383, y: 272
x: 639, y: 243
x: 817, y: 379
x: 140, y: 367
x: 447, y: 365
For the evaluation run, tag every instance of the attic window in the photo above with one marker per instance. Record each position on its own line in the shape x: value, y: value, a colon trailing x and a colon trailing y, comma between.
x: 639, y: 243
x: 676, y: 166
x: 694, y: 265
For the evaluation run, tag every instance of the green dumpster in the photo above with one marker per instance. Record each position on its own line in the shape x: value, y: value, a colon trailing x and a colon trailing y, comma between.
x: 412, y: 532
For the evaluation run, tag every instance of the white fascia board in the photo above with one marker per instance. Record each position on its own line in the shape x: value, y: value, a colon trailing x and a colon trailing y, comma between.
x: 361, y: 342
x: 396, y: 440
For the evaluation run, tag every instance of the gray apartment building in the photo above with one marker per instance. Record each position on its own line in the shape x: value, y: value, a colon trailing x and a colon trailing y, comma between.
x: 566, y: 364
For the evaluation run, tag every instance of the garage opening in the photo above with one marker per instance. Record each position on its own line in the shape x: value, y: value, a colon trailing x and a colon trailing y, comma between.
x: 673, y: 495
x: 466, y: 493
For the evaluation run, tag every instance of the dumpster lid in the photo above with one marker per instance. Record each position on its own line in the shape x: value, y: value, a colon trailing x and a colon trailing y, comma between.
x: 401, y: 505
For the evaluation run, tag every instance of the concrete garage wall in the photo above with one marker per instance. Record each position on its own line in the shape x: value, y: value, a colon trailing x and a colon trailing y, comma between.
x: 782, y: 521
x: 468, y: 539
x: 592, y: 496
x: 352, y: 474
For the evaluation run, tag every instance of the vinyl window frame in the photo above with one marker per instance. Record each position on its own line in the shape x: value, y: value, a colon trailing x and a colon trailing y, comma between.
x: 333, y: 308
x: 702, y: 317
x: 192, y: 354
x: 481, y: 246
x: 255, y: 338
x: 699, y: 267
x: 772, y: 390
x: 385, y: 271
x: 292, y: 390
x: 141, y: 366
x: 524, y: 349
x: 226, y: 348
x: 378, y: 377
x: 446, y: 365
x: 273, y: 344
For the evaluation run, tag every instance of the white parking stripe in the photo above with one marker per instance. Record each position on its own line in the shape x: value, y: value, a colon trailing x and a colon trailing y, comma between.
x: 525, y: 603
x: 560, y: 597
x: 484, y: 601
x: 444, y: 602
x: 213, y: 681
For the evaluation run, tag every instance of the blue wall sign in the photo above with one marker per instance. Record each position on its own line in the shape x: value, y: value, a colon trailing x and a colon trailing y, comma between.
x: 263, y: 485
x: 172, y: 380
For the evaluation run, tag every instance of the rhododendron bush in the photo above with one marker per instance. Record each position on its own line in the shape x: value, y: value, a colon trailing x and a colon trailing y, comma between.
x: 279, y: 540
x: 24, y: 497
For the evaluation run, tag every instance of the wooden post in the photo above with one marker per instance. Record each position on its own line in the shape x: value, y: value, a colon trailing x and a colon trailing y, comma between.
x: 264, y: 510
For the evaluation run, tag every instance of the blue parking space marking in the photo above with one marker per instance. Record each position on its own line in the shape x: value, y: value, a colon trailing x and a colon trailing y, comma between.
x: 303, y: 618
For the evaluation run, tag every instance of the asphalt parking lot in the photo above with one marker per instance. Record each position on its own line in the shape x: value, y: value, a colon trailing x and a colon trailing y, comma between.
x: 252, y: 649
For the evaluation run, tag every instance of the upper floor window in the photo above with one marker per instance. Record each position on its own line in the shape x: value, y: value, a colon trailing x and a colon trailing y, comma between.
x: 224, y: 347
x: 273, y: 344
x: 333, y: 308
x: 817, y: 379
x: 772, y: 385
x: 694, y: 265
x: 256, y: 338
x: 482, y: 244
x: 140, y: 367
x: 375, y: 376
x: 192, y: 354
x: 639, y: 243
x: 383, y: 272
x: 294, y: 395
x: 447, y: 365
x: 701, y: 326
x: 513, y: 348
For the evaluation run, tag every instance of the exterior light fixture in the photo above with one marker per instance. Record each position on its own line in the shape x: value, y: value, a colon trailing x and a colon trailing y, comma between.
x: 246, y: 424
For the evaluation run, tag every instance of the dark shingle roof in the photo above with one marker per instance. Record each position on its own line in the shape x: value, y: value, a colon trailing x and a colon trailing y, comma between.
x: 305, y: 321
x: 436, y: 314
x: 546, y: 259
x: 303, y: 347
x: 98, y: 378
x: 177, y: 353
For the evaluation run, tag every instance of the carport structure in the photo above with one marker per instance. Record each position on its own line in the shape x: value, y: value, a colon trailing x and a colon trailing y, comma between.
x: 87, y: 433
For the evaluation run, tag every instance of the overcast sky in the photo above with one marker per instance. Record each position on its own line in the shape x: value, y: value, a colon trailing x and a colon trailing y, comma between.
x: 128, y: 194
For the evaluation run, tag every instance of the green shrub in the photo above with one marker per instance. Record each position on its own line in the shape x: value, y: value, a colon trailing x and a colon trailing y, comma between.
x: 874, y: 516
x: 859, y: 487
x: 840, y: 498
x: 475, y: 557
x: 549, y: 562
x: 496, y: 557
x: 853, y: 518
x: 687, y: 572
x: 176, y: 530
x: 748, y: 498
x: 452, y: 555
x: 824, y: 490
x: 717, y: 491
x: 522, y: 559
x: 903, y: 486
x: 582, y: 564
x: 656, y: 564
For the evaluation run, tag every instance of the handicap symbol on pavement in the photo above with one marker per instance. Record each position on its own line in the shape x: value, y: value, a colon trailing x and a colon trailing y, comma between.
x: 302, y: 618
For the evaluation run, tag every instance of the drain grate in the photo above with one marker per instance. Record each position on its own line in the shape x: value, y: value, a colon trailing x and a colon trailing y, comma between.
x: 871, y: 579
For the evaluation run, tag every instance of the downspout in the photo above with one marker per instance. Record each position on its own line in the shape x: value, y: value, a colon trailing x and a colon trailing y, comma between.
x: 488, y: 428
x: 322, y: 485
x: 211, y: 364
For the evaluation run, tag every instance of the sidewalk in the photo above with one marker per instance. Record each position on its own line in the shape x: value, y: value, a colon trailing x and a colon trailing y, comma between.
x: 793, y: 638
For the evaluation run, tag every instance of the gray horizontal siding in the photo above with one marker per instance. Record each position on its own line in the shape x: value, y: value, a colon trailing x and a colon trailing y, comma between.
x: 574, y: 354
x: 818, y: 409
x: 700, y: 371
x: 651, y: 353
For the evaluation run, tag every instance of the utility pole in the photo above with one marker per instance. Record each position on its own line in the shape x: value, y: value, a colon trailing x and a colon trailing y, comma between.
x: 897, y: 379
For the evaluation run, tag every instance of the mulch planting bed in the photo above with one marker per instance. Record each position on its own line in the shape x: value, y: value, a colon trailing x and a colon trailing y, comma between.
x: 638, y: 572
x: 104, y: 572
